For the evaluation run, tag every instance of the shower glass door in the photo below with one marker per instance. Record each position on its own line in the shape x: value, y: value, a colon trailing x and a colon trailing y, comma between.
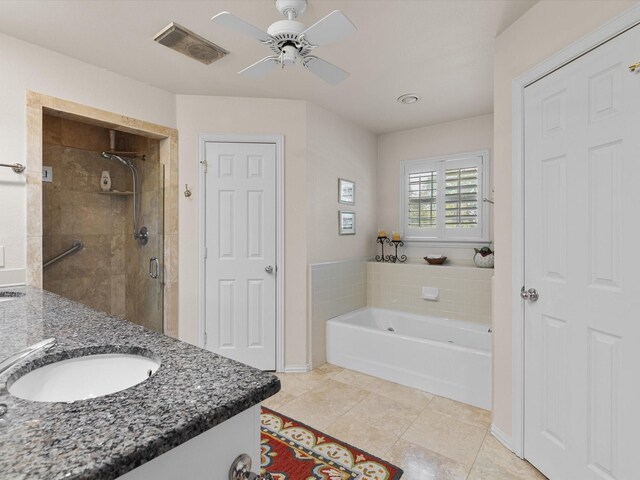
x: 148, y: 294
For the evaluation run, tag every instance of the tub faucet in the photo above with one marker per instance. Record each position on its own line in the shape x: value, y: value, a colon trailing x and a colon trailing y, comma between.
x: 11, y: 360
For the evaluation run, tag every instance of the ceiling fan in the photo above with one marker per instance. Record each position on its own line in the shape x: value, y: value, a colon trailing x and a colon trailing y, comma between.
x: 291, y: 42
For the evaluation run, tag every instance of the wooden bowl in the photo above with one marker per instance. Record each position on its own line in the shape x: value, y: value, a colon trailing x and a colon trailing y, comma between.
x: 435, y: 260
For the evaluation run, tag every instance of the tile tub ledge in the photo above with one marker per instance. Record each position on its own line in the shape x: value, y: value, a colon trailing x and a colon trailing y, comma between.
x: 106, y: 437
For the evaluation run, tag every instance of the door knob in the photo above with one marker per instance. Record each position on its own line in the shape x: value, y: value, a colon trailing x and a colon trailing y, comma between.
x: 269, y: 269
x: 531, y: 294
x: 241, y: 470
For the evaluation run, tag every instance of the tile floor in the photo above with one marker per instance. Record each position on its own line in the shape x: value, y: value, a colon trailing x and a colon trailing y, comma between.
x: 429, y: 437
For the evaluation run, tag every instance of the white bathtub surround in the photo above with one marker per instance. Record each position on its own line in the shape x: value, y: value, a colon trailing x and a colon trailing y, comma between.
x: 464, y: 291
x: 334, y: 288
x: 450, y: 358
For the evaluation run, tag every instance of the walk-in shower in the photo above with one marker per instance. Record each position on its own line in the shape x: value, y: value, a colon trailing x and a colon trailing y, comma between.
x: 141, y: 235
x: 117, y: 271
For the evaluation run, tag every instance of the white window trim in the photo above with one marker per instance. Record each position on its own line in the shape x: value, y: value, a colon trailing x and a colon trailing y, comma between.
x: 483, y: 208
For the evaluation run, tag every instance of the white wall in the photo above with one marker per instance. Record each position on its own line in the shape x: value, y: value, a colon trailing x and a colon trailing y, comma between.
x: 546, y: 28
x: 29, y: 67
x: 233, y: 115
x: 337, y: 148
x: 469, y: 134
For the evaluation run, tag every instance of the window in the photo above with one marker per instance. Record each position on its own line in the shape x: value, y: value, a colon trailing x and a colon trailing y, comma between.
x: 442, y: 198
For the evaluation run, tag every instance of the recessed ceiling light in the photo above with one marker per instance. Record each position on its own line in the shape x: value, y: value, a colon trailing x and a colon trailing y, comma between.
x: 408, y: 98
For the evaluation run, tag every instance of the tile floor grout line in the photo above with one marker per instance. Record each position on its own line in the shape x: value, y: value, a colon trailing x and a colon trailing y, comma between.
x: 409, y: 426
x: 475, y: 459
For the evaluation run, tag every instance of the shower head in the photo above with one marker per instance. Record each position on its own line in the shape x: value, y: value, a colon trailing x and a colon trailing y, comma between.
x: 113, y: 156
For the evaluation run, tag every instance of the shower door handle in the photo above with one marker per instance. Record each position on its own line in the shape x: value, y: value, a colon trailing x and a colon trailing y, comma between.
x: 154, y: 267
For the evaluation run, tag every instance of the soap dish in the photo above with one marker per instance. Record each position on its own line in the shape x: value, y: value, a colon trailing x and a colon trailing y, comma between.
x: 435, y: 259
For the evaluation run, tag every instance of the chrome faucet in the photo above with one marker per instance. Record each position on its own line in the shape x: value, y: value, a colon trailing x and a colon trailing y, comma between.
x: 11, y: 360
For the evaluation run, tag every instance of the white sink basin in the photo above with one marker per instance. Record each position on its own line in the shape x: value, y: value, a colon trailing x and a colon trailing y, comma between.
x: 84, y: 377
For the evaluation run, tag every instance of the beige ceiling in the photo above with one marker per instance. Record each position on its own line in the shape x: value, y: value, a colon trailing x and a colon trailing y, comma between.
x: 439, y: 49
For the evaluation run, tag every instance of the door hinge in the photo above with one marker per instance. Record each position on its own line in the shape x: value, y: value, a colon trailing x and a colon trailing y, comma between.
x: 205, y: 165
x: 205, y: 339
x: 206, y: 252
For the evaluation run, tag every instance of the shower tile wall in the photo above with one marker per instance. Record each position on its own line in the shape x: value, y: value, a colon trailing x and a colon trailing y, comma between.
x: 464, y: 292
x: 335, y: 288
x: 107, y: 274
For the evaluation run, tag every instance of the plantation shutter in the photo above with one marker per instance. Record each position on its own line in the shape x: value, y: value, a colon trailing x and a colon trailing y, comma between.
x: 422, y: 199
x: 442, y: 198
x: 461, y: 197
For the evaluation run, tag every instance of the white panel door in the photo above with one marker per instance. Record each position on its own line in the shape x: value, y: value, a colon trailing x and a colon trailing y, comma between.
x: 582, y: 231
x: 240, y: 241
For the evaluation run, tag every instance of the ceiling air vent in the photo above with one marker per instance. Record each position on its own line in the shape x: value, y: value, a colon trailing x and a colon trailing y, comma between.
x: 188, y: 43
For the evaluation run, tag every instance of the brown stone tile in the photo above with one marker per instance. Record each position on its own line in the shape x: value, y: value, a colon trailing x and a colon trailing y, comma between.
x: 83, y: 136
x: 362, y: 435
x: 420, y: 463
x: 51, y: 130
x: 446, y: 435
x: 495, y: 462
x: 393, y: 391
x: 34, y: 140
x: 297, y: 383
x: 34, y: 262
x: 383, y: 413
x: 461, y: 411
x: 171, y: 303
x: 279, y: 399
x: 325, y: 404
x: 118, y: 295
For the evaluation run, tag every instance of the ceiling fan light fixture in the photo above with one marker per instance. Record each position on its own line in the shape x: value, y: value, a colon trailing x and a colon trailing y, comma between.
x: 408, y: 98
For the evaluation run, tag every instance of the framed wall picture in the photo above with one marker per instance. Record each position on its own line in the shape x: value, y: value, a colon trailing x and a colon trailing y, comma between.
x: 346, y: 191
x: 346, y: 223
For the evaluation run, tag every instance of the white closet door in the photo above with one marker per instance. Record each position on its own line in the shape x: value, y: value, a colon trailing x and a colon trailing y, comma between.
x: 582, y: 231
x: 240, y: 266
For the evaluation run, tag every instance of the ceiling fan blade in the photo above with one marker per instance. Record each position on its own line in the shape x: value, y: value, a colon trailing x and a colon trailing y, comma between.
x: 325, y: 70
x: 331, y: 28
x: 229, y: 20
x: 261, y: 67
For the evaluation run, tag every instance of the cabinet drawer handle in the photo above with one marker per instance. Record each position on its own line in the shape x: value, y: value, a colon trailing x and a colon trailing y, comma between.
x: 241, y: 470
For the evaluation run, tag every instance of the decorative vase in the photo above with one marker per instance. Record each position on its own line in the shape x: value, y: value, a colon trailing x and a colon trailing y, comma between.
x: 483, y: 257
x: 105, y: 181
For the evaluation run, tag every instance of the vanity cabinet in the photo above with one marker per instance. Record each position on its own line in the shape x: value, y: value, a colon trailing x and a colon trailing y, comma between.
x: 209, y: 455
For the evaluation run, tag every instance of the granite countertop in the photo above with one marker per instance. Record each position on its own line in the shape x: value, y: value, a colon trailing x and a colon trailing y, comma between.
x: 102, y: 438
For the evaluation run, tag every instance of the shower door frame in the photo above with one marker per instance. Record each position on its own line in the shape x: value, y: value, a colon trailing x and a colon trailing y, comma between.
x: 39, y: 104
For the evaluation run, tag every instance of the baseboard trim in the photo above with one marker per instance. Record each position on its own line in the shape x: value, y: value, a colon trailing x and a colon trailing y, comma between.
x: 297, y: 368
x: 502, y: 437
x: 13, y: 277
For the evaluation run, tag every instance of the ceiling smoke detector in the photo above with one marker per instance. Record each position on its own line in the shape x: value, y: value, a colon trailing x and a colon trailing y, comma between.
x: 408, y: 98
x: 188, y: 43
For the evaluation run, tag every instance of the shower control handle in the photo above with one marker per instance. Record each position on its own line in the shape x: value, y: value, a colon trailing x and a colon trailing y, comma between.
x: 154, y: 267
x: 269, y: 269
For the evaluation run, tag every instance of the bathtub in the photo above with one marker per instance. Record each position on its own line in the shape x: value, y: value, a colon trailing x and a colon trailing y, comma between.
x: 450, y: 358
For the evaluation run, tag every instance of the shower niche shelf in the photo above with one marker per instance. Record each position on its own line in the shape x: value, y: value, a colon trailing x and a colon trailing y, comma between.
x: 115, y: 193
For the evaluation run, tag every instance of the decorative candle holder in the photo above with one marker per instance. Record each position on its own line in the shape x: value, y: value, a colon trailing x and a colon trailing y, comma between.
x: 396, y: 258
x: 390, y: 258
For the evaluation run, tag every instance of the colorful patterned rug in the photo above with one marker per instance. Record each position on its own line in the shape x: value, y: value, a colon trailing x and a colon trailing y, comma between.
x: 291, y: 450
